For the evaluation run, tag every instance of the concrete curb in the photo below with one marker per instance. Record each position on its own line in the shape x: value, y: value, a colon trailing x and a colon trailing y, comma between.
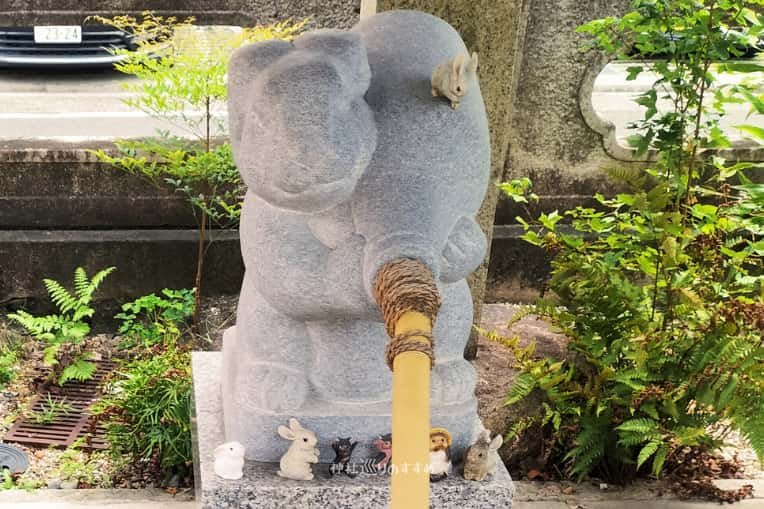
x: 528, y: 495
x: 124, y: 498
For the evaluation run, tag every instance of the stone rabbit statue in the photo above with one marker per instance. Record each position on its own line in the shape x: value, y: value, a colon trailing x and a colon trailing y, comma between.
x: 229, y: 460
x: 451, y: 78
x: 480, y: 458
x: 349, y: 164
x: 295, y: 463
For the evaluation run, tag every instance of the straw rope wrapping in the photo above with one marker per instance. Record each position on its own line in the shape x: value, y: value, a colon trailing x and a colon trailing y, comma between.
x: 402, y: 286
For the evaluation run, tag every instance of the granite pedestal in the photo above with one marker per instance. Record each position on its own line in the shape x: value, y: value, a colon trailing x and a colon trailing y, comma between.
x: 261, y: 488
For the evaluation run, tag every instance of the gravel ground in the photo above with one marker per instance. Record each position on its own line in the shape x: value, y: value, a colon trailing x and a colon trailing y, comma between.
x: 44, y: 463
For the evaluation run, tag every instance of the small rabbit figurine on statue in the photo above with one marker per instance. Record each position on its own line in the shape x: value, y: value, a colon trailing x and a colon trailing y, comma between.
x: 229, y: 460
x: 450, y: 78
x: 480, y: 459
x: 295, y: 463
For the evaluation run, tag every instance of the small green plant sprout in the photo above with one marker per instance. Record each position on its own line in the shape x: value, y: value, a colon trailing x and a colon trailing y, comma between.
x: 519, y: 190
x: 152, y: 320
x: 63, y: 333
x: 8, y: 363
x: 11, y: 481
x: 8, y: 483
x: 11, y: 352
x: 87, y: 468
x: 51, y: 409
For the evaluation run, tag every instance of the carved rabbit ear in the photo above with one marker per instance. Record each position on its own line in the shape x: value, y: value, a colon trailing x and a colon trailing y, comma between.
x: 246, y: 64
x: 472, y: 67
x: 220, y: 449
x: 496, y: 443
x: 294, y: 425
x: 459, y: 62
x: 286, y: 433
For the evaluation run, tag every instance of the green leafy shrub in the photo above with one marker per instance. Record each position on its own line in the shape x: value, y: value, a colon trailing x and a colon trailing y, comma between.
x: 64, y: 333
x: 660, y: 290
x: 148, y: 320
x: 182, y: 79
x: 11, y: 481
x: 89, y: 469
x: 10, y: 355
x: 8, y: 362
x: 147, y: 407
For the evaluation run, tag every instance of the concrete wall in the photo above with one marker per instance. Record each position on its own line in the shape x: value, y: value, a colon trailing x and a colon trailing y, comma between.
x: 60, y: 208
x: 556, y: 138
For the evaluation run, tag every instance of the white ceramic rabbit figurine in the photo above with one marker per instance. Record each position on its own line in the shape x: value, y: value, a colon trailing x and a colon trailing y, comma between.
x: 451, y: 77
x: 295, y: 463
x: 229, y: 460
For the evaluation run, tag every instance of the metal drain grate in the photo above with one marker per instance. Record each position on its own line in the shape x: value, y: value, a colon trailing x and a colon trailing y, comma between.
x: 66, y: 425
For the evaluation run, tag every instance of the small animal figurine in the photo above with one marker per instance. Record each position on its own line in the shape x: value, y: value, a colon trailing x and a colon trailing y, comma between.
x: 343, y: 449
x: 451, y: 77
x: 384, y: 444
x: 295, y: 463
x: 229, y: 460
x: 440, y: 454
x: 480, y: 459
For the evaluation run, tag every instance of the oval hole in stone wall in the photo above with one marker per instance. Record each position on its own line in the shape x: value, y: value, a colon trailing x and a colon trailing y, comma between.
x: 613, y: 100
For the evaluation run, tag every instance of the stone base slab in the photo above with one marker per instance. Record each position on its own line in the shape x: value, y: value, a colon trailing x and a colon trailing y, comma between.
x: 261, y: 488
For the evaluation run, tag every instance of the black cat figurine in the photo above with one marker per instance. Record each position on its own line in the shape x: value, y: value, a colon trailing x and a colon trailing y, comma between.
x: 343, y: 449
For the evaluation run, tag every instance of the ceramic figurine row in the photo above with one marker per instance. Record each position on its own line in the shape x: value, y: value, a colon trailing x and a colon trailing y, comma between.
x: 297, y: 461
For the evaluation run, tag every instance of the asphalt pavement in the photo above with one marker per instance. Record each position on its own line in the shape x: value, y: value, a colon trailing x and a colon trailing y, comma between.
x: 89, y: 105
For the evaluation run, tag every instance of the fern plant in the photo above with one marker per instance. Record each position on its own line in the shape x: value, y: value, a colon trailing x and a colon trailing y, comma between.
x: 64, y: 332
x: 661, y: 289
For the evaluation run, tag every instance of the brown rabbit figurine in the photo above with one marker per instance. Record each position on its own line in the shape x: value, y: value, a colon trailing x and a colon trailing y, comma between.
x: 450, y: 79
x: 480, y: 459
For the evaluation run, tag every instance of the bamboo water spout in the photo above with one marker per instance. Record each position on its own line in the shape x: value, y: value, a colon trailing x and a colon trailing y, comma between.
x: 408, y: 297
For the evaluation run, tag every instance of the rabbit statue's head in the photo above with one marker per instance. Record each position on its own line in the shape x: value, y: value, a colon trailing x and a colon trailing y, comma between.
x: 452, y: 77
x: 461, y: 67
